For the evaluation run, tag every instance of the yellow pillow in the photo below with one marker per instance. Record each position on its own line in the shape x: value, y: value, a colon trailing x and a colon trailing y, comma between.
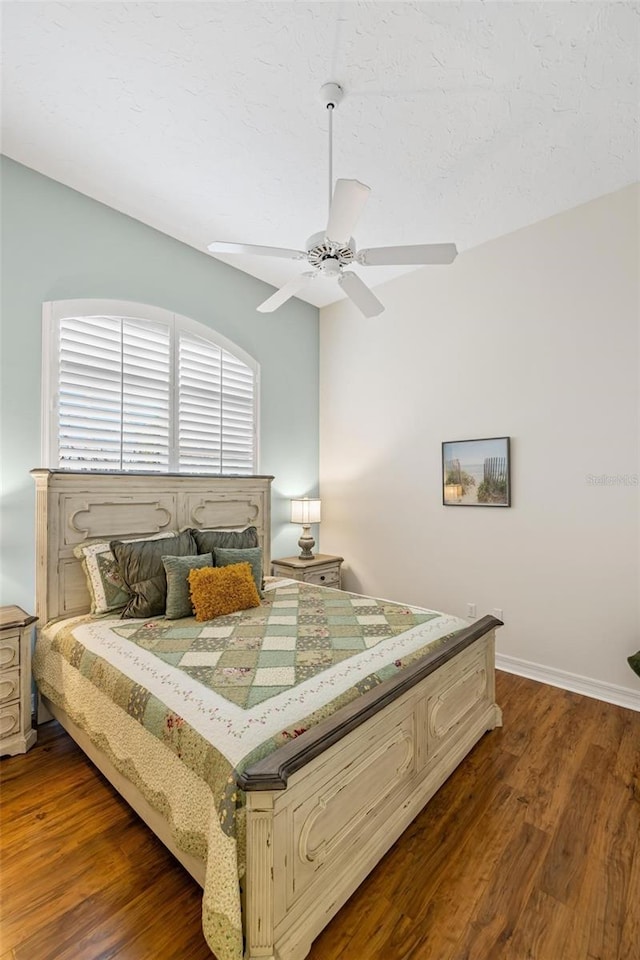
x: 216, y: 591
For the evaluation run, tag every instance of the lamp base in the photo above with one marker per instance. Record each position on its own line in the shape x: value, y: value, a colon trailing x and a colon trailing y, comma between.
x: 306, y: 544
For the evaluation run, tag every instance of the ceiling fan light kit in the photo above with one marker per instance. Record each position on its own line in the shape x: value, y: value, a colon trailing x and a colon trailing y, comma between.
x: 331, y: 250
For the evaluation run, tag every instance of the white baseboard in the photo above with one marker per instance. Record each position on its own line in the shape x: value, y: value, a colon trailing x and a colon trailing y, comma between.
x: 609, y: 692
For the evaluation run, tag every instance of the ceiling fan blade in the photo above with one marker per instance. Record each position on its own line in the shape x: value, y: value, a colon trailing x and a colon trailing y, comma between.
x: 285, y: 293
x: 221, y: 246
x: 358, y: 292
x: 425, y: 253
x: 349, y: 199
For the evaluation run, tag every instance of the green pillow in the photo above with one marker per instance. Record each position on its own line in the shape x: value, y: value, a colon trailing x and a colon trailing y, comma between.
x: 177, y: 572
x: 634, y: 662
x: 253, y: 555
x: 140, y: 564
x: 108, y: 592
x: 209, y: 540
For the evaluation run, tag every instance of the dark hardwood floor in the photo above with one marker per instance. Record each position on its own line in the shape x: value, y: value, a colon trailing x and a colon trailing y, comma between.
x: 530, y: 851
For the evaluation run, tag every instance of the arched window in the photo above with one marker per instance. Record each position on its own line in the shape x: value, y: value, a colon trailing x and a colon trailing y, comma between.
x: 133, y: 387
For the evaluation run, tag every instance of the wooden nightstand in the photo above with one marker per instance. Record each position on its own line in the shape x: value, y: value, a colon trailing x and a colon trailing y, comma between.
x: 324, y: 569
x: 16, y: 733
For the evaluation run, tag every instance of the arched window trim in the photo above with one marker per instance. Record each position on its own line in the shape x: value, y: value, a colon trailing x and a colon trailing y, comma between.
x: 55, y: 310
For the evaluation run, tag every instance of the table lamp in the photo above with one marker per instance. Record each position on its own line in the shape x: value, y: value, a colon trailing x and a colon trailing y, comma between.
x: 305, y: 512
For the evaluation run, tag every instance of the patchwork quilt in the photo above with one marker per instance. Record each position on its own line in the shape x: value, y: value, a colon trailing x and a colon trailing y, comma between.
x: 181, y: 707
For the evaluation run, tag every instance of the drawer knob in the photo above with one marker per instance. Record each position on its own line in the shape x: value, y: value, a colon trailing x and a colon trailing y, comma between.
x: 322, y: 576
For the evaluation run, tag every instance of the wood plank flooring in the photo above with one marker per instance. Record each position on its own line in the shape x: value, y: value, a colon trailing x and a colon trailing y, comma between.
x: 530, y: 851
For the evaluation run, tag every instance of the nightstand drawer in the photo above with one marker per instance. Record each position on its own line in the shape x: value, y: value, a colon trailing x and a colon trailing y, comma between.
x: 9, y: 720
x: 9, y: 685
x: 325, y: 578
x: 323, y: 570
x: 9, y: 652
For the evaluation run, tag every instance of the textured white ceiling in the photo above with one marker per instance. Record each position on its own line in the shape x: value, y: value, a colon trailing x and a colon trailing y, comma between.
x: 468, y: 120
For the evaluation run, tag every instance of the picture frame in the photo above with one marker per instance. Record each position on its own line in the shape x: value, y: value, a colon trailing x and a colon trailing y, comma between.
x: 476, y: 473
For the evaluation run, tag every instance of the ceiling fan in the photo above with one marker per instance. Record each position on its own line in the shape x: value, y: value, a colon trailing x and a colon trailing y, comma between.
x: 331, y: 250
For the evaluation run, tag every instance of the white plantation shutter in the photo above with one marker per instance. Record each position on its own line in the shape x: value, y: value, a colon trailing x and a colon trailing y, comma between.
x: 199, y: 404
x: 237, y: 420
x: 131, y: 393
x: 113, y: 400
x: 216, y: 409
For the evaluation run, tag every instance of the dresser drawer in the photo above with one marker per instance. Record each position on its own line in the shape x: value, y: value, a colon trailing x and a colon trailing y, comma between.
x: 9, y: 652
x: 325, y: 578
x: 9, y: 719
x: 9, y: 685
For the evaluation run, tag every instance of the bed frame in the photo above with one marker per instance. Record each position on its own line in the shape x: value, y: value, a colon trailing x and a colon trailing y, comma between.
x: 323, y: 809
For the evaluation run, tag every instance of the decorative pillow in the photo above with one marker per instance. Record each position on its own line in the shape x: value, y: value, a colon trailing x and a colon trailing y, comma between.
x: 208, y: 540
x: 253, y: 555
x: 107, y: 589
x: 177, y: 572
x: 141, y: 568
x: 216, y: 591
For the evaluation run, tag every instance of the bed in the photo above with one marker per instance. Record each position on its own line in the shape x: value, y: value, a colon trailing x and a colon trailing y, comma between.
x: 316, y: 810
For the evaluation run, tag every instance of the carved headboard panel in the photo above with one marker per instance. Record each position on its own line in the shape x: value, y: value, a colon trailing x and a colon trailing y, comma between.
x: 74, y: 507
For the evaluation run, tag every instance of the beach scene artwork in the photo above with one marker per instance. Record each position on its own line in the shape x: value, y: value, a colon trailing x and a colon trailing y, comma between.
x: 475, y: 473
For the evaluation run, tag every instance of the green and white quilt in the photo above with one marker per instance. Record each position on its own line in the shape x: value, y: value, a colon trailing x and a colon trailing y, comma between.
x: 181, y: 707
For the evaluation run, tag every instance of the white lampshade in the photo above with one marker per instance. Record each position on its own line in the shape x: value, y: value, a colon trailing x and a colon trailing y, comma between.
x: 305, y: 511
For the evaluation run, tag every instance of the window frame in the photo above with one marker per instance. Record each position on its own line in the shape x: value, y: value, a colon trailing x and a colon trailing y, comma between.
x: 55, y: 310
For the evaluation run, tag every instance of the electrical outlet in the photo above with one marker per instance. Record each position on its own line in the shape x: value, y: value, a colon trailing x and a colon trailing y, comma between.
x: 497, y: 612
x: 471, y: 611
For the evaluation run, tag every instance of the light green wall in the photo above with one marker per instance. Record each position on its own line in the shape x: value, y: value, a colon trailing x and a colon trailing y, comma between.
x: 59, y: 244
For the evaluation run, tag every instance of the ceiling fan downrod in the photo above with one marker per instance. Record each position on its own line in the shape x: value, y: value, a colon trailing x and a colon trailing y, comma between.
x: 330, y: 96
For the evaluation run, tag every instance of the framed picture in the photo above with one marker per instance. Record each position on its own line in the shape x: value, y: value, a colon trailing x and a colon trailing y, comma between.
x: 475, y: 473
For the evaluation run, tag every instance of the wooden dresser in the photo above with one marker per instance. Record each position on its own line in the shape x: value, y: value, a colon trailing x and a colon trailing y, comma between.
x: 16, y: 732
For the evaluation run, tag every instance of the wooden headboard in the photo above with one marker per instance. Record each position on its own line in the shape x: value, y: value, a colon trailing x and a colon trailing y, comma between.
x: 72, y: 507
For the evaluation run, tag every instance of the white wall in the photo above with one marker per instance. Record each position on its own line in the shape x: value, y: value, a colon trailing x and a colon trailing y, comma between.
x: 534, y: 336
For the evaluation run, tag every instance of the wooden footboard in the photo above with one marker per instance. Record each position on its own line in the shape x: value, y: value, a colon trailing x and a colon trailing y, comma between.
x: 329, y: 813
